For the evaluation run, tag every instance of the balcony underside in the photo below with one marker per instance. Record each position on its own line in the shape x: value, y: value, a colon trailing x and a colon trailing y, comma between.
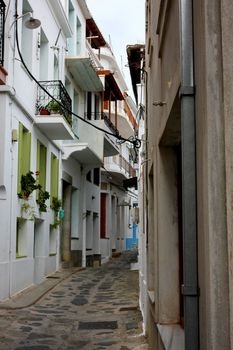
x: 110, y: 146
x: 124, y: 126
x: 82, y: 153
x: 117, y: 174
x: 84, y: 73
x: 54, y: 127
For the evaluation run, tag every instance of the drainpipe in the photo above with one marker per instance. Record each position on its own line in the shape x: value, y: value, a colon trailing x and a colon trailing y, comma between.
x: 189, y: 187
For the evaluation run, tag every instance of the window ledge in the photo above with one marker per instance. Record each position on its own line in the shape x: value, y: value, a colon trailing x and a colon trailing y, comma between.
x: 172, y: 336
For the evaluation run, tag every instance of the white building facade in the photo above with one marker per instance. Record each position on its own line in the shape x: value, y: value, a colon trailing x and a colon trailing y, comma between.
x: 50, y: 159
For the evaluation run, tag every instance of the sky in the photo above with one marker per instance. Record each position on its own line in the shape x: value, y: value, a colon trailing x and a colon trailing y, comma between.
x: 122, y: 22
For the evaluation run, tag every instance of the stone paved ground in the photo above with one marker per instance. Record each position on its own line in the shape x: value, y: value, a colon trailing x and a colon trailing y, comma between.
x: 91, y: 310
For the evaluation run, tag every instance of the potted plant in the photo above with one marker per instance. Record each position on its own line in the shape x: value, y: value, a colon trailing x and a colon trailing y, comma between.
x: 56, y: 206
x: 54, y: 107
x: 42, y: 109
x: 28, y: 185
x: 41, y: 200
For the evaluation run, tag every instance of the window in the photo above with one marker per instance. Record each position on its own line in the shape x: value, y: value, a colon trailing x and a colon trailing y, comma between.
x: 96, y: 176
x: 97, y: 104
x: 21, y: 238
x: 75, y: 109
x: 41, y: 164
x: 88, y: 176
x: 55, y: 66
x: 103, y: 216
x: 54, y: 177
x: 78, y: 36
x: 24, y: 153
x: 2, y: 21
x: 52, y: 241
x: 72, y: 26
x: 89, y: 107
x: 44, y: 51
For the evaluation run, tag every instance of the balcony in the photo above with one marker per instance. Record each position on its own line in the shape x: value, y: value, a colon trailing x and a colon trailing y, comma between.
x: 3, y: 72
x: 84, y: 70
x: 101, y: 120
x: 119, y: 168
x: 88, y: 150
x: 53, y: 120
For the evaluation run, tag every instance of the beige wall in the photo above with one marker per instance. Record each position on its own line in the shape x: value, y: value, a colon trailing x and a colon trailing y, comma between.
x: 213, y: 46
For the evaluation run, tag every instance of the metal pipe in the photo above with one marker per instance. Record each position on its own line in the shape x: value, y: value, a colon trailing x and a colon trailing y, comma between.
x: 189, y: 188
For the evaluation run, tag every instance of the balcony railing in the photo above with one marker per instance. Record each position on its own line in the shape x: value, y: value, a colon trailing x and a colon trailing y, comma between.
x: 123, y: 164
x: 93, y: 58
x: 58, y: 91
x: 102, y: 116
x: 2, y: 29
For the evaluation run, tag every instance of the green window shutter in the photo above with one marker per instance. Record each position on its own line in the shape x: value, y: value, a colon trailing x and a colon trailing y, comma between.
x: 20, y: 156
x: 41, y: 165
x: 38, y: 166
x: 42, y: 176
x: 26, y: 152
x: 54, y: 177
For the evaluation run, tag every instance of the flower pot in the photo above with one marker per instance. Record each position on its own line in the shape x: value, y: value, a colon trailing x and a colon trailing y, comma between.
x: 44, y: 111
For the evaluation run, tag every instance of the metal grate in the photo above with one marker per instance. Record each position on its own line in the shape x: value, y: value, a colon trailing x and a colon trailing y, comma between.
x: 2, y: 28
x: 59, y: 92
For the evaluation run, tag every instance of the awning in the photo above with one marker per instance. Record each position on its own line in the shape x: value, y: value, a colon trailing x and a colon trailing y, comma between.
x: 111, y: 86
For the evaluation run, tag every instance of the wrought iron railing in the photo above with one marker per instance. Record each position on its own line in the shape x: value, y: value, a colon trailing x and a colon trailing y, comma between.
x: 59, y: 92
x: 102, y: 116
x: 2, y: 30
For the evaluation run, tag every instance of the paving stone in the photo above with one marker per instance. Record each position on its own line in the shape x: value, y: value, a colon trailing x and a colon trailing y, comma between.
x: 33, y: 347
x: 98, y: 325
x: 39, y: 336
x: 79, y: 301
x: 131, y: 325
x: 94, y: 309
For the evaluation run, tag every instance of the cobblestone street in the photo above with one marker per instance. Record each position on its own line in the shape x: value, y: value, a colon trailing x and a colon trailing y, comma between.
x: 96, y: 308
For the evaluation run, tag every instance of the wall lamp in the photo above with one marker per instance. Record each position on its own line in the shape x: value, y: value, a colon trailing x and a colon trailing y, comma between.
x: 31, y: 23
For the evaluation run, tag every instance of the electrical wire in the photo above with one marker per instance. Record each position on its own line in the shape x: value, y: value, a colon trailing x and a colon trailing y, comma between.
x: 135, y: 141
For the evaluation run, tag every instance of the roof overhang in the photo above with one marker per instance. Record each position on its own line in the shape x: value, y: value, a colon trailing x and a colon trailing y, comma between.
x: 82, y: 153
x: 111, y: 86
x: 136, y: 55
x: 84, y: 73
x: 97, y: 40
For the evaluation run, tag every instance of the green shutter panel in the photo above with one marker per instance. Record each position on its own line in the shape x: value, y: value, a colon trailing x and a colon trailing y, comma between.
x: 28, y: 151
x: 20, y: 161
x: 43, y: 154
x: 56, y: 177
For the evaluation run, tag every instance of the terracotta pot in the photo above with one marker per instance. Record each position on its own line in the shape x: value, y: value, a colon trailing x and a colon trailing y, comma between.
x: 44, y: 111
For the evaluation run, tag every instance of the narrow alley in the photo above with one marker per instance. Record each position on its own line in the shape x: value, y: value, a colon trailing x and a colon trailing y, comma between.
x: 96, y: 308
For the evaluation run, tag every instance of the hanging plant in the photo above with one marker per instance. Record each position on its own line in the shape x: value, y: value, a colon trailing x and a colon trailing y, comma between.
x: 28, y: 185
x: 56, y: 206
x: 41, y: 200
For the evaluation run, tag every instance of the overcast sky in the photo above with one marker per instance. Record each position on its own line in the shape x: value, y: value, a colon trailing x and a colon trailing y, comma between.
x: 124, y: 22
